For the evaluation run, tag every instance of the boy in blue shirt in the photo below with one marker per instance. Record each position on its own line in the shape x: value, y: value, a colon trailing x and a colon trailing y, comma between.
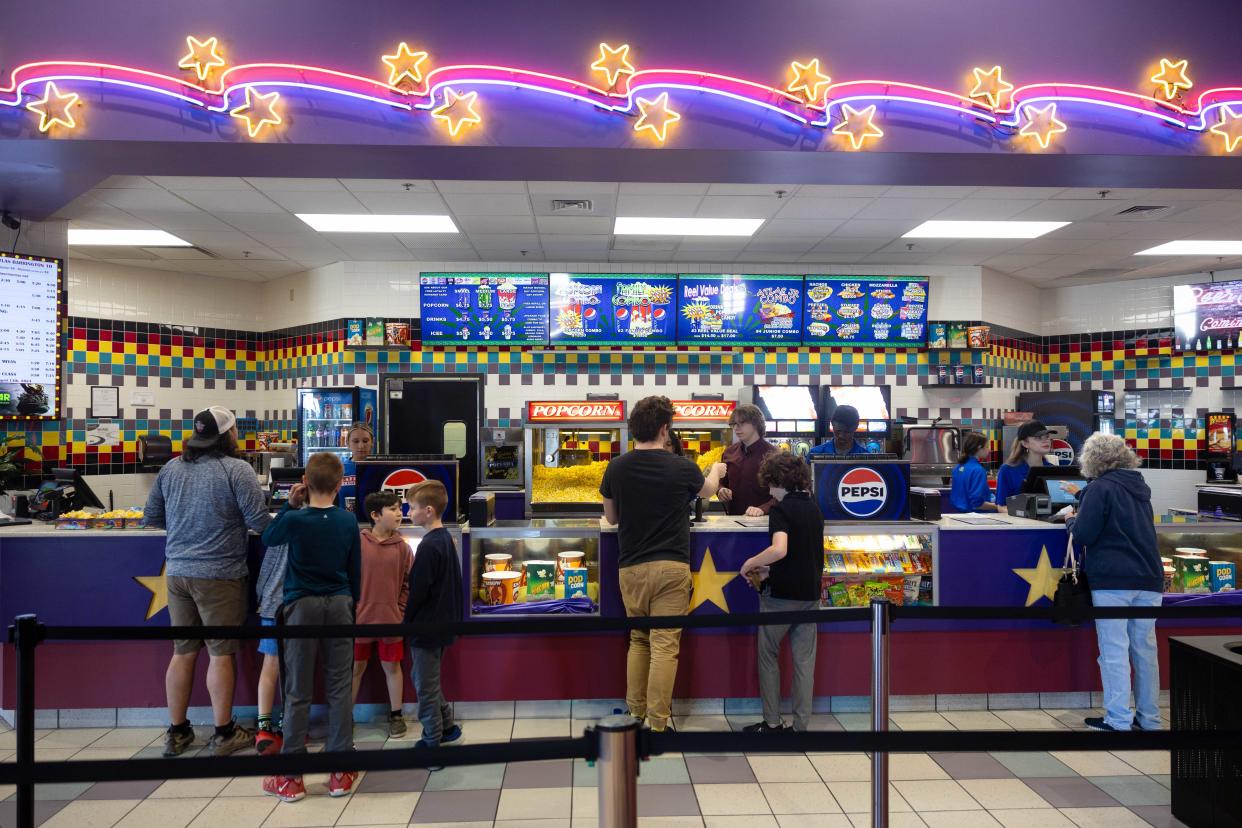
x: 844, y: 427
x: 323, y: 578
x: 970, y: 492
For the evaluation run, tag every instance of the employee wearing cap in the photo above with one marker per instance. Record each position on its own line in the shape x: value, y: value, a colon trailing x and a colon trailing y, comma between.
x: 1030, y: 448
x: 844, y: 427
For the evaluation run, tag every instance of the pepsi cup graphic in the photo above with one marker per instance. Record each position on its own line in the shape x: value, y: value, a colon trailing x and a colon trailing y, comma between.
x: 862, y: 492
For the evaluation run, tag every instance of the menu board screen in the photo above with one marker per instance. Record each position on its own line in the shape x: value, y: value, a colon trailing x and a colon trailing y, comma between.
x: 877, y: 311
x: 739, y: 310
x: 484, y: 308
x: 613, y: 309
x: 29, y: 336
x: 1207, y: 317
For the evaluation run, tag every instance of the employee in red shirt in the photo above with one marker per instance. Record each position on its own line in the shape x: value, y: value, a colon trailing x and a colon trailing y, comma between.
x: 740, y: 489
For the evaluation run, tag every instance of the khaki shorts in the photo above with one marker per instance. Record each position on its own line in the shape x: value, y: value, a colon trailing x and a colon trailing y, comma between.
x: 198, y: 602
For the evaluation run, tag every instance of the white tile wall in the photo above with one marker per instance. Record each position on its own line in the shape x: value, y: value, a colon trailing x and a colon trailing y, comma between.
x: 109, y: 291
x: 38, y: 238
x: 1009, y: 302
x: 1117, y: 306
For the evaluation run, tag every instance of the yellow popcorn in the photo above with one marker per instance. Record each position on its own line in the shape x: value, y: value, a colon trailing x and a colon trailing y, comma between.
x: 708, y: 459
x: 570, y: 484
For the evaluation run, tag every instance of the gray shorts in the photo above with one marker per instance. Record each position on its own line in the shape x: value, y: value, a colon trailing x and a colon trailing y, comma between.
x: 198, y: 602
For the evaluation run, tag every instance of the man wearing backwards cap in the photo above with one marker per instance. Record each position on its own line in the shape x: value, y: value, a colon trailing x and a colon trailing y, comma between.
x: 206, y: 499
x: 844, y: 426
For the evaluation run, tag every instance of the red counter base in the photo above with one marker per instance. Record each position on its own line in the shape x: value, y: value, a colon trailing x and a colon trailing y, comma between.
x: 716, y: 665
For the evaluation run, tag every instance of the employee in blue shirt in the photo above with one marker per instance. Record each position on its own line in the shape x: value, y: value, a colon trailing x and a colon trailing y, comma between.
x: 970, y: 492
x: 1030, y: 448
x: 844, y: 426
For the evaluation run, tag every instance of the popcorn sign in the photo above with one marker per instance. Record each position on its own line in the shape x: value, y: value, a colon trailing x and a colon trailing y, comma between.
x: 608, y: 411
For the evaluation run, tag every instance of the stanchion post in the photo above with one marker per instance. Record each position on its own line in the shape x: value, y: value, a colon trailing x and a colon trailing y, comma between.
x: 879, y: 710
x: 26, y: 636
x: 618, y: 771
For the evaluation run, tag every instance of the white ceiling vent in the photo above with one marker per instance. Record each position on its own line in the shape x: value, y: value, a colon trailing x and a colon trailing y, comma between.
x: 1146, y: 211
x: 572, y: 206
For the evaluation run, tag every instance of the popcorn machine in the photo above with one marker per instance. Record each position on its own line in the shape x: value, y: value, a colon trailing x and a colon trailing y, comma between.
x: 703, y: 426
x: 567, y: 447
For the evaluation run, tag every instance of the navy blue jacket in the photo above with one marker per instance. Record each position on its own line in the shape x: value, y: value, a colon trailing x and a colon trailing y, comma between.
x: 1115, y: 524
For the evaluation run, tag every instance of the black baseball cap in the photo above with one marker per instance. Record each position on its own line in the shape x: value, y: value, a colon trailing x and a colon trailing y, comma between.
x: 846, y: 416
x: 1032, y: 428
x: 209, y: 424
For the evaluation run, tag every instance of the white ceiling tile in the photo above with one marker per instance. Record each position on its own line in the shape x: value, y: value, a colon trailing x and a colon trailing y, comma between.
x: 446, y: 254
x: 827, y: 257
x: 516, y: 241
x: 234, y: 201
x: 281, y: 222
x: 195, y: 183
x: 287, y: 185
x: 1063, y: 210
x: 106, y: 253
x: 485, y: 226
x: 917, y: 209
x: 496, y: 204
x: 874, y: 229
x: 750, y: 189
x: 317, y: 201
x: 1209, y: 213
x: 833, y: 244
x: 650, y: 244
x: 572, y: 246
x: 1086, y: 230
x: 445, y: 241
x: 929, y: 192
x: 918, y: 245
x: 805, y: 207
x: 739, y: 206
x: 1031, y: 193
x: 412, y: 203
x: 650, y: 189
x: 979, y: 209
x: 663, y: 206
x: 481, y: 187
x: 1052, y: 244
x: 1011, y: 262
x: 637, y: 256
x: 388, y: 185
x: 572, y: 189
x: 140, y: 199
x: 106, y: 218
x: 796, y: 244
x: 842, y: 190
x: 128, y: 182
x: 775, y: 258
x: 573, y: 225
x: 176, y: 222
x: 1166, y: 195
x: 789, y: 228
x: 177, y: 253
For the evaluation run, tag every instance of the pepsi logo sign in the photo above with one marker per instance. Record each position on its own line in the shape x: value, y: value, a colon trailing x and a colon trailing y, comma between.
x: 401, y: 480
x: 1063, y: 451
x: 862, y: 492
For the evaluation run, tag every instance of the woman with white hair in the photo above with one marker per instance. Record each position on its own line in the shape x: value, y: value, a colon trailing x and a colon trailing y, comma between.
x: 1122, y: 565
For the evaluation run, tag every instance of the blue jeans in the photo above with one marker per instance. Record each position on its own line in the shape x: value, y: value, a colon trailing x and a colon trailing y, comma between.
x: 1126, y: 641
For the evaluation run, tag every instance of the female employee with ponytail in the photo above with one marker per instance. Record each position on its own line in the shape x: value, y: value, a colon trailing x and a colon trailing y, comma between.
x: 970, y: 492
x: 1030, y: 448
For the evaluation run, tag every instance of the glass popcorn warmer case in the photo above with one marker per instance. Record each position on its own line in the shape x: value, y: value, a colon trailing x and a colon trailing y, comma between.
x: 703, y: 427
x: 541, y: 566
x: 567, y: 447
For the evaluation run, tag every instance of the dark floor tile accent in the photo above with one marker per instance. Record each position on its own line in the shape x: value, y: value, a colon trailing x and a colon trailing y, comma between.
x: 971, y: 766
x: 667, y: 801
x: 1159, y: 816
x: 456, y: 806
x: 400, y: 781
x: 121, y: 790
x: 558, y: 773
x: 43, y: 811
x: 1071, y: 793
x: 719, y: 769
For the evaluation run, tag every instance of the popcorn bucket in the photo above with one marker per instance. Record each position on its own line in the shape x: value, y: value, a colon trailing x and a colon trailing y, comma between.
x: 568, y: 560
x: 507, y: 295
x: 497, y: 562
x: 498, y: 587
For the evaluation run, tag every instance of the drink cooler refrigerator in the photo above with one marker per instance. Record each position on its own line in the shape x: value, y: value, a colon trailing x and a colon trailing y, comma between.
x: 325, y: 415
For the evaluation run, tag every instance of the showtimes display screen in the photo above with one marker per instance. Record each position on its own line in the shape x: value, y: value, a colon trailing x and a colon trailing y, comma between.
x: 29, y: 336
x: 739, y: 310
x: 878, y: 311
x: 1207, y: 317
x: 484, y: 308
x: 613, y: 309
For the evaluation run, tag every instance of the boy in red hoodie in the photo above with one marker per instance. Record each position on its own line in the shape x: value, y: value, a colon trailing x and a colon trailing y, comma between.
x: 386, y: 564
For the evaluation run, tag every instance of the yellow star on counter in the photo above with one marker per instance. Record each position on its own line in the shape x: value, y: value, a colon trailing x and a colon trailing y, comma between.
x: 857, y: 124
x: 457, y: 110
x: 1229, y: 128
x: 990, y: 86
x: 1042, y: 124
x: 202, y: 57
x: 1172, y: 76
x: 258, y: 110
x: 53, y: 108
x: 1043, y: 579
x: 405, y: 64
x: 158, y: 584
x: 709, y: 584
x: 807, y: 79
x: 656, y: 116
x: 613, y: 62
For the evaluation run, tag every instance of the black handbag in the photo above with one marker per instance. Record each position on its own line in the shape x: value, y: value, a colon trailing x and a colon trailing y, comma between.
x: 1072, y: 595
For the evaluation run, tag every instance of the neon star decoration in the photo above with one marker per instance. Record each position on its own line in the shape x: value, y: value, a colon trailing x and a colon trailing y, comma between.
x: 457, y: 110
x: 807, y: 80
x: 614, y: 63
x: 1229, y: 128
x: 54, y: 108
x: 990, y: 86
x: 1042, y: 579
x: 202, y: 57
x: 258, y: 111
x: 858, y: 125
x: 1172, y: 76
x: 709, y: 584
x: 1042, y: 124
x: 405, y: 64
x: 656, y: 116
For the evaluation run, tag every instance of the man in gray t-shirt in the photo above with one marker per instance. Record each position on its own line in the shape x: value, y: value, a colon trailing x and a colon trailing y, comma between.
x: 207, y: 499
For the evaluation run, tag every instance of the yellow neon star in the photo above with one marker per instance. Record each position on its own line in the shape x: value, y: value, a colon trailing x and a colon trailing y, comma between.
x: 1229, y: 128
x: 158, y: 584
x: 457, y: 110
x: 807, y: 79
x: 405, y: 64
x: 53, y: 108
x: 709, y: 584
x: 202, y: 57
x: 990, y: 86
x: 1043, y: 579
x: 613, y: 62
x: 1172, y: 76
x: 857, y: 124
x: 656, y: 116
x: 1042, y: 124
x: 258, y: 110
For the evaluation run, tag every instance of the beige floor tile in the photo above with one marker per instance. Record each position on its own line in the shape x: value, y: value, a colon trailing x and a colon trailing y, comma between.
x: 975, y: 720
x: 100, y: 813
x: 7, y: 756
x: 752, y: 821
x: 1148, y: 761
x: 1095, y: 763
x: 813, y: 821
x: 731, y: 800
x: 312, y: 811
x: 590, y: 822
x: 535, y: 803
x: 138, y: 737
x: 1104, y: 818
x: 907, y: 820
x: 799, y: 798
x: 702, y: 724
x: 842, y: 767
x: 921, y: 721
x: 6, y: 791
x: 997, y: 794
x: 87, y: 754
x: 911, y: 766
x: 855, y: 798
x: 1032, y: 818
x: 481, y: 731
x: 54, y: 754
x: 541, y: 728
x: 936, y: 795
x: 244, y: 786
x: 236, y: 812
x: 164, y: 813
x: 488, y: 824
x: 379, y: 809
x: 529, y: 823
x: 1029, y: 720
x: 959, y: 819
x: 787, y: 768
x: 670, y: 822
x: 193, y: 788
x: 78, y: 737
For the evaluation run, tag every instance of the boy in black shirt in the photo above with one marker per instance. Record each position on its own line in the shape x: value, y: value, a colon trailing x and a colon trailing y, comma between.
x: 788, y: 575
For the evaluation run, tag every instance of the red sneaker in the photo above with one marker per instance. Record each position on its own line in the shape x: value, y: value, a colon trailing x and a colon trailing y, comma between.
x: 342, y: 784
x: 267, y: 742
x: 284, y: 788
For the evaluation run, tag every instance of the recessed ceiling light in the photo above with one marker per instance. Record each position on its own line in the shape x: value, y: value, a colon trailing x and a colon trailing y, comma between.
x: 367, y: 223
x: 983, y: 229
x: 1193, y: 247
x: 124, y: 238
x: 650, y: 226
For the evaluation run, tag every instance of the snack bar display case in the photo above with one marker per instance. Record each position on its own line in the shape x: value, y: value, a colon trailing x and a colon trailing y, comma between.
x: 704, y: 430
x: 897, y: 561
x: 567, y: 447
x: 541, y: 566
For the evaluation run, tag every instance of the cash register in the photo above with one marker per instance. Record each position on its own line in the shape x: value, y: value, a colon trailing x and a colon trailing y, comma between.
x: 282, y: 479
x: 1047, y: 490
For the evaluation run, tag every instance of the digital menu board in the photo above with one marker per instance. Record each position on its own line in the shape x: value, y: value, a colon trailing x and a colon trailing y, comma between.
x: 739, y: 310
x: 29, y: 336
x: 874, y: 311
x: 484, y: 308
x: 613, y: 309
x: 1207, y: 317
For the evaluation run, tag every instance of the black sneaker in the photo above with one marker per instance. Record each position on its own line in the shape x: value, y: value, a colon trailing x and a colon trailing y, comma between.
x: 177, y: 742
x: 765, y: 729
x: 1099, y: 724
x: 668, y: 727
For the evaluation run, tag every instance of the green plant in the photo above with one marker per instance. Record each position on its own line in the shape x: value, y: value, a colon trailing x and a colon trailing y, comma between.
x: 12, y: 453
